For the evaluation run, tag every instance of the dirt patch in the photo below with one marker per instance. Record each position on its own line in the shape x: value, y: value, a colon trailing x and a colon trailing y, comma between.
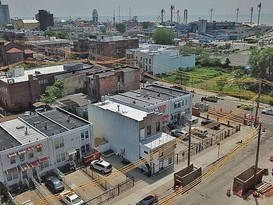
x: 269, y: 193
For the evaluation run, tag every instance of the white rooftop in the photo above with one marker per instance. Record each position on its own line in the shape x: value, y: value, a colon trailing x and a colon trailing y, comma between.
x: 157, y: 140
x: 30, y: 21
x: 124, y: 110
x: 153, y: 48
x: 17, y: 129
x: 43, y: 70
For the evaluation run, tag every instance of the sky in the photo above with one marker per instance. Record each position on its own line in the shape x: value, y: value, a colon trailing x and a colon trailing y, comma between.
x: 76, y: 8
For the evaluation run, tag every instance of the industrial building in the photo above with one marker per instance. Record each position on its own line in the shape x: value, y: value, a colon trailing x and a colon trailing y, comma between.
x: 174, y: 105
x: 158, y: 59
x: 133, y: 134
x: 4, y: 14
x: 25, y: 24
x: 45, y: 18
x: 35, y: 143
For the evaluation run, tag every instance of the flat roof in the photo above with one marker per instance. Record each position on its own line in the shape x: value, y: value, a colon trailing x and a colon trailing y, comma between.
x: 149, y: 96
x: 18, y: 129
x: 6, y: 140
x: 48, y: 42
x: 157, y: 140
x: 54, y: 121
x: 124, y: 110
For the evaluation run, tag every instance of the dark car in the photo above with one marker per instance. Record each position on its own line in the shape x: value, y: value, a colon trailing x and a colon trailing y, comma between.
x: 54, y: 184
x: 205, y: 122
x: 149, y: 200
x: 211, y: 124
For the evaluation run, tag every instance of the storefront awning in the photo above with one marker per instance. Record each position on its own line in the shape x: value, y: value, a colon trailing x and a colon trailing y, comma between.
x: 21, y: 152
x: 34, y: 164
x: 12, y: 170
x: 24, y: 167
x: 71, y: 151
x: 43, y: 159
x: 12, y: 155
x: 39, y: 146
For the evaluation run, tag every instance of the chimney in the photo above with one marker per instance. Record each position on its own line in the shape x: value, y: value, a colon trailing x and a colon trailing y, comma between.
x: 68, y: 119
x: 45, y: 126
x: 26, y: 132
x: 118, y: 107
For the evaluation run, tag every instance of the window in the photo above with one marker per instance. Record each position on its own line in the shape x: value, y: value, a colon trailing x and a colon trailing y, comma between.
x: 87, y: 147
x: 83, y: 149
x: 145, y: 152
x: 175, y: 105
x: 158, y: 126
x: 22, y: 157
x: 161, y: 154
x: 170, y: 160
x: 60, y: 157
x: 30, y: 154
x: 182, y: 102
x: 44, y: 164
x: 82, y: 135
x: 12, y: 175
x: 186, y: 101
x: 39, y: 151
x: 59, y: 143
x: 148, y: 129
x: 12, y: 160
x: 150, y: 61
x: 86, y: 135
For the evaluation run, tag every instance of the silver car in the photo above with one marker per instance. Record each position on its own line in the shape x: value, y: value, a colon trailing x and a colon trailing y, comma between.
x: 268, y: 111
x: 101, y: 165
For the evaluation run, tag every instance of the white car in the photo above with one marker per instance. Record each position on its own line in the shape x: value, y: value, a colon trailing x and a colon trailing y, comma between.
x: 268, y: 111
x: 70, y: 198
x: 101, y: 165
x: 28, y: 202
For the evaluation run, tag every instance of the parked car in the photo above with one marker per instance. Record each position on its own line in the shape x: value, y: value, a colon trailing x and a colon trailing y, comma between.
x: 180, y: 133
x: 210, y: 99
x: 268, y: 111
x: 101, y: 165
x: 211, y: 124
x: 54, y: 184
x: 149, y: 200
x: 200, y: 132
x: 70, y: 198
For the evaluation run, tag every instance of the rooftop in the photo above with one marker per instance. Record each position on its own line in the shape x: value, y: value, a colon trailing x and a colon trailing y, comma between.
x: 21, y: 132
x: 111, y: 38
x: 124, y: 110
x: 48, y: 42
x: 157, y: 140
x: 14, y: 50
x: 30, y: 21
x: 149, y: 96
x: 54, y: 121
x: 152, y: 48
x: 6, y: 140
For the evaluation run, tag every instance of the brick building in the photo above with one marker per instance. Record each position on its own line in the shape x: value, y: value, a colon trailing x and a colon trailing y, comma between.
x: 109, y: 46
x: 115, y: 81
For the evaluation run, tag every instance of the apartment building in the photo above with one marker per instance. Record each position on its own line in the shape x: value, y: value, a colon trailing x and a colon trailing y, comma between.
x: 133, y: 134
x: 35, y: 143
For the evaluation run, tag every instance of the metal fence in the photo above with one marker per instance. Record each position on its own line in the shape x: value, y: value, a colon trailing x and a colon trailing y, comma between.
x: 112, y: 192
x: 205, y: 143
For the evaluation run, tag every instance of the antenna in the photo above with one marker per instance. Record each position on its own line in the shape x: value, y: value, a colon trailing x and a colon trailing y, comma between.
x: 211, y: 11
x: 114, y: 17
x: 259, y: 13
x: 237, y: 14
x: 119, y: 14
x: 251, y: 15
x: 129, y: 12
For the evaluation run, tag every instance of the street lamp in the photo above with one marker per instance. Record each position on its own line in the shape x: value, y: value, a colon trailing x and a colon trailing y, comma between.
x: 218, y: 149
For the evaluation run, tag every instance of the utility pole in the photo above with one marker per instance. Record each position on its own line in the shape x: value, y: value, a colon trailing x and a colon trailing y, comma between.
x: 258, y: 104
x: 257, y: 155
x: 189, y: 148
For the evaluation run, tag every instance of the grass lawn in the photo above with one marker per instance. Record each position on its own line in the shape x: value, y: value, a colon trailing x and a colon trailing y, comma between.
x: 207, y: 78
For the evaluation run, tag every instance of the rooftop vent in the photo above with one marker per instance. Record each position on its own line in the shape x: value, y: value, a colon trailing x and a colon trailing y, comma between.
x: 45, y: 125
x: 68, y: 119
x: 20, y: 127
x: 26, y: 131
x: 118, y: 107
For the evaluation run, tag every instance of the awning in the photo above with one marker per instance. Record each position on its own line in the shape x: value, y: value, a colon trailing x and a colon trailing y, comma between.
x: 12, y: 155
x: 30, y: 148
x: 39, y: 146
x: 12, y: 170
x: 24, y: 167
x: 43, y: 159
x: 21, y: 152
x: 34, y: 164
x: 71, y: 151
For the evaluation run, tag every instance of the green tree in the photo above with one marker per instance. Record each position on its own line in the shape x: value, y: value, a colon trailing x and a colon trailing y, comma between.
x: 227, y: 62
x: 163, y: 36
x: 262, y: 63
x: 121, y: 27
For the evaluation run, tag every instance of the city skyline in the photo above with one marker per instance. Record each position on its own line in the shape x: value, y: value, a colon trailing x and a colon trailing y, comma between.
x: 66, y: 8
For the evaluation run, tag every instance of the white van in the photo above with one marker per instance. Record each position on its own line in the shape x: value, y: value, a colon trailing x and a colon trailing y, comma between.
x: 200, y: 132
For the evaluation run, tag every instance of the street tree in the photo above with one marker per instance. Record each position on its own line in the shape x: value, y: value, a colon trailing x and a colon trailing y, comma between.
x: 163, y: 36
x: 222, y: 82
x: 262, y: 63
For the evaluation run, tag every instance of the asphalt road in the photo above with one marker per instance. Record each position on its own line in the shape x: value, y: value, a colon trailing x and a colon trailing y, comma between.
x: 213, y: 190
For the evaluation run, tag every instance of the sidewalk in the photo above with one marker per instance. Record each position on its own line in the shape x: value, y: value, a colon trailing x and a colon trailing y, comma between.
x: 202, y: 159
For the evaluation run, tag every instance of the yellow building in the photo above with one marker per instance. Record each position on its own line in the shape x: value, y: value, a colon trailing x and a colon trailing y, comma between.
x: 21, y: 24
